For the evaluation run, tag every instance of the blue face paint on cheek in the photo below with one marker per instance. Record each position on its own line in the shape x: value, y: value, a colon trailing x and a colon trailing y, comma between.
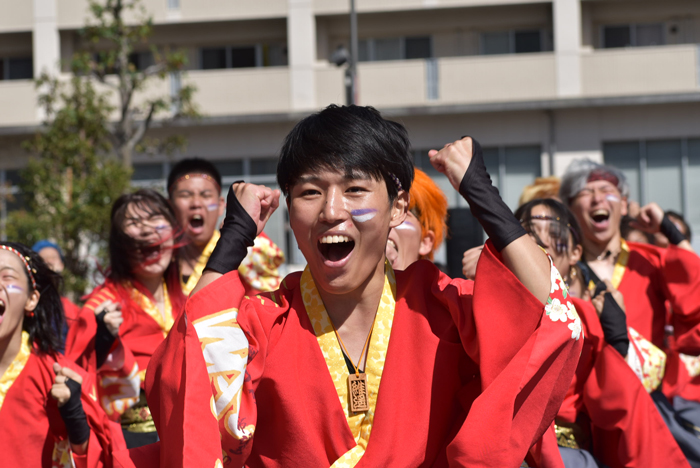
x: 213, y: 206
x: 162, y: 227
x: 406, y: 226
x: 363, y: 215
x: 13, y: 288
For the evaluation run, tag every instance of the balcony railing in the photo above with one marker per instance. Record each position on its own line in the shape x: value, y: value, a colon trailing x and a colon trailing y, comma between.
x: 417, y: 83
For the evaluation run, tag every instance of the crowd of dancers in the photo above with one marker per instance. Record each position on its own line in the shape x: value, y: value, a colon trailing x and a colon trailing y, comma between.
x: 573, y: 342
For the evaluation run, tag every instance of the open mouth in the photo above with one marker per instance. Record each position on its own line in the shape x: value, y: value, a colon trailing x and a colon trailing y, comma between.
x: 196, y: 221
x: 392, y: 244
x: 150, y: 254
x: 600, y: 217
x: 2, y: 309
x: 335, y: 248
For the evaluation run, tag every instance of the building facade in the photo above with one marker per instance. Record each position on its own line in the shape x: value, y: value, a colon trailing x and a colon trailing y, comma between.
x: 539, y: 83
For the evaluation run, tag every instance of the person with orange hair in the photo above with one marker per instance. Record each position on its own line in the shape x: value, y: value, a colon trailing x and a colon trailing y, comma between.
x: 420, y: 235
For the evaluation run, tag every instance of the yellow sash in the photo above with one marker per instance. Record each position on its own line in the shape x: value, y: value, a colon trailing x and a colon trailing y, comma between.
x: 165, y: 320
x: 12, y: 372
x: 199, y: 267
x: 361, y: 423
x: 619, y: 269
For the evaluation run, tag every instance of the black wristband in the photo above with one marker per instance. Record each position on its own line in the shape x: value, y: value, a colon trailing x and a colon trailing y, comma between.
x: 103, y: 339
x: 671, y: 232
x: 237, y: 234
x: 614, y: 323
x: 486, y: 204
x: 73, y: 415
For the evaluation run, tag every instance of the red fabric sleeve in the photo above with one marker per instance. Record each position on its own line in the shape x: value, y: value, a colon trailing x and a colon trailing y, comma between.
x: 681, y: 282
x: 627, y: 429
x: 181, y: 405
x: 80, y: 342
x: 526, y: 358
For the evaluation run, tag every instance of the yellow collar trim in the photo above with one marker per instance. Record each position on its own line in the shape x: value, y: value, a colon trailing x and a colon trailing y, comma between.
x: 164, y: 320
x: 361, y: 423
x: 12, y: 372
x: 621, y: 264
x: 199, y: 267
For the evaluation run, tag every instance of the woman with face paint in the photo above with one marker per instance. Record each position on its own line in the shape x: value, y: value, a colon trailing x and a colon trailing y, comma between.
x: 47, y: 415
x: 607, y: 418
x: 126, y: 318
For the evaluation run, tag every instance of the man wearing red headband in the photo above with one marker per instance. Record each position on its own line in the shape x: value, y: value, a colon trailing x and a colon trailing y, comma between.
x: 194, y: 187
x: 649, y: 278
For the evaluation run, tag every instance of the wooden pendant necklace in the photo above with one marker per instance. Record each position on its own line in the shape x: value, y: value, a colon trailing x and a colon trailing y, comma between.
x: 359, y: 398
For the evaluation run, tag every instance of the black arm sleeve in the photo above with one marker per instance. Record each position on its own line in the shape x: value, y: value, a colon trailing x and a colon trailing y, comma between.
x: 614, y: 323
x: 237, y: 234
x: 103, y: 339
x: 486, y: 204
x: 73, y: 415
x: 670, y: 230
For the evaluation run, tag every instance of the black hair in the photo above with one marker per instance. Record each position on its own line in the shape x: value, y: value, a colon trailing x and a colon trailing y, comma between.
x: 46, y: 323
x: 679, y: 217
x: 353, y: 139
x: 122, y: 247
x: 626, y: 228
x: 192, y: 166
x: 565, y: 222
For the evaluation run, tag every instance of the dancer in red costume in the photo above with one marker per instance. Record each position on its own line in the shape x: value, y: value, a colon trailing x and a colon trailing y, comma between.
x: 48, y: 413
x: 350, y: 363
x: 125, y: 319
x: 607, y: 418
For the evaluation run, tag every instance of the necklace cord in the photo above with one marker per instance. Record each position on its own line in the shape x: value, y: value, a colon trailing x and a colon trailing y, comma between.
x: 345, y: 350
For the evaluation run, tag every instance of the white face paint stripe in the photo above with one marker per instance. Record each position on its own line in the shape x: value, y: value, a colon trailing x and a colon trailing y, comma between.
x: 612, y: 198
x: 363, y: 215
x: 13, y: 288
x: 213, y: 206
x: 406, y: 226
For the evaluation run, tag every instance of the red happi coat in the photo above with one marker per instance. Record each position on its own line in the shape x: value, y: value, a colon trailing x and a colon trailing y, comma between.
x: 654, y: 278
x: 654, y: 275
x: 607, y: 399
x: 474, y: 374
x: 119, y: 379
x: 32, y: 432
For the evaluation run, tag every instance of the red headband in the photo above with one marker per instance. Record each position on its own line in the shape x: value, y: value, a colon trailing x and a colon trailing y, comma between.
x: 600, y: 174
x: 24, y: 259
x: 192, y: 175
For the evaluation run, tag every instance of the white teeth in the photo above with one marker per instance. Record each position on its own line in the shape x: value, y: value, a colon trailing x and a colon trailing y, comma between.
x: 600, y: 213
x: 197, y: 217
x: 334, y: 239
x: 393, y: 244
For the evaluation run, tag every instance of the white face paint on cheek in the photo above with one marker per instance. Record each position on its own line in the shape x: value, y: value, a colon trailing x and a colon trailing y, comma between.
x: 363, y: 215
x: 213, y: 206
x: 406, y: 226
x: 13, y: 288
x: 612, y: 198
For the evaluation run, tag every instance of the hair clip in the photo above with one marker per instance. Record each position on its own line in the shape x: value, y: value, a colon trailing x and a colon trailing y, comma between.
x: 396, y: 181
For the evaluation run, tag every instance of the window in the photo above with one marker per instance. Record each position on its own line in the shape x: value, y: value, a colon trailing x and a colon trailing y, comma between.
x: 243, y: 57
x: 511, y: 168
x: 663, y: 171
x: 512, y: 42
x: 259, y: 55
x: 14, y: 200
x: 633, y: 35
x: 151, y: 171
x: 19, y: 68
x: 263, y: 166
x: 395, y: 48
x: 213, y: 58
x: 229, y: 168
x: 141, y: 60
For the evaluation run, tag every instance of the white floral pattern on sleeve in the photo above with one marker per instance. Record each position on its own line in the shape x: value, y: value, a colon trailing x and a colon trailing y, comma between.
x: 558, y: 307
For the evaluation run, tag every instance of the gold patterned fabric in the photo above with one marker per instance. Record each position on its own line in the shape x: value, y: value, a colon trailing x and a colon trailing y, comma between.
x: 12, y: 372
x: 652, y: 360
x: 360, y: 423
x: 138, y: 418
x: 570, y: 435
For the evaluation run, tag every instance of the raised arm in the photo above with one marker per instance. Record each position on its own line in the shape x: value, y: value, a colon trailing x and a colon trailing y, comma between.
x: 463, y: 164
x: 248, y: 208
